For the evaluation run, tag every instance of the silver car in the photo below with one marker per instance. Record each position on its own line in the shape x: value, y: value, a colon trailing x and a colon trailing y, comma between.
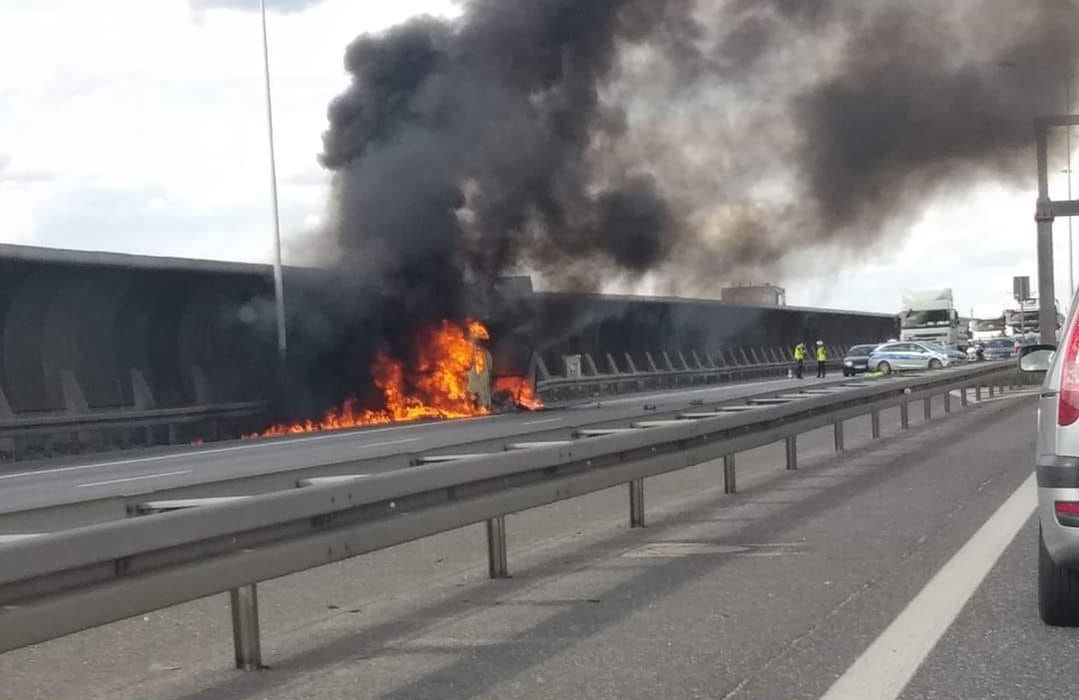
x: 907, y: 354
x: 1057, y: 468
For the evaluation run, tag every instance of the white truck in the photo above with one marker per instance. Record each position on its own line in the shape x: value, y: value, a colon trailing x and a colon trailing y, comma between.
x: 987, y: 322
x: 931, y: 316
x: 1022, y: 319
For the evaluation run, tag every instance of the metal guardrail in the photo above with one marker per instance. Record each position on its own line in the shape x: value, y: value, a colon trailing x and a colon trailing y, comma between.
x: 665, y: 371
x: 56, y: 584
x: 16, y: 430
x: 126, y: 418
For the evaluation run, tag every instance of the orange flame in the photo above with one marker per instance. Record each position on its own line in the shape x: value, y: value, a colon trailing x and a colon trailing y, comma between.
x: 437, y: 387
x: 524, y: 395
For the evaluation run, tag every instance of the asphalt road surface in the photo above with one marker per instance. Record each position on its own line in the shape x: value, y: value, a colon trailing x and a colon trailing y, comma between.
x: 24, y: 486
x: 891, y: 571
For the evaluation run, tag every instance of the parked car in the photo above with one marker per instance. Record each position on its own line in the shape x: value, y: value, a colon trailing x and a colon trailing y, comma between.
x: 907, y: 355
x: 1000, y: 348
x: 1056, y: 460
x: 952, y: 351
x: 857, y: 359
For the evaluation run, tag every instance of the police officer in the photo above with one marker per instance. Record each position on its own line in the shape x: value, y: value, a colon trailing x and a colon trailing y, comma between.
x: 800, y: 353
x: 822, y: 357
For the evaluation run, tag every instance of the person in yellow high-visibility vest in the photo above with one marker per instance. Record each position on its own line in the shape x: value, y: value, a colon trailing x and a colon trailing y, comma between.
x: 822, y: 357
x: 800, y: 353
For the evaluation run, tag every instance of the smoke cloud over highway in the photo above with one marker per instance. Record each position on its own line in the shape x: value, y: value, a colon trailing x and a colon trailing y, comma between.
x: 691, y: 142
x: 673, y: 144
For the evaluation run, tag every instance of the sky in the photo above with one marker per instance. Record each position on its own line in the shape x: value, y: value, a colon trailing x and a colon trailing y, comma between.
x: 139, y: 126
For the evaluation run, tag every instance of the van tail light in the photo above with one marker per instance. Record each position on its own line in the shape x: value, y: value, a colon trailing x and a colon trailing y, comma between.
x: 1068, y: 408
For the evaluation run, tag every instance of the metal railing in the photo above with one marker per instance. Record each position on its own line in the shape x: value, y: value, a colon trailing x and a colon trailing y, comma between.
x: 57, y: 584
x: 91, y: 429
x: 664, y: 370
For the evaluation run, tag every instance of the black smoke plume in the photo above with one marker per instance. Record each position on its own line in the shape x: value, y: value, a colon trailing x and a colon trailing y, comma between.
x: 680, y: 141
x: 668, y: 144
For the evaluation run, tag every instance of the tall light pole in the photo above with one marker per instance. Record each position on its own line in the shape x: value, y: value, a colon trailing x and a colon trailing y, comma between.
x: 278, y: 275
x: 1068, y: 146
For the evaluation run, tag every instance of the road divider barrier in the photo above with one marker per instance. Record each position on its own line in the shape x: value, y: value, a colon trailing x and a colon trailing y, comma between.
x: 59, y: 583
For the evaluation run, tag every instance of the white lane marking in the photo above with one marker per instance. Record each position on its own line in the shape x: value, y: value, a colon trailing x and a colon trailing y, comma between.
x: 540, y: 422
x: 885, y: 668
x: 133, y: 478
x: 234, y: 448
x: 386, y: 442
x: 674, y: 393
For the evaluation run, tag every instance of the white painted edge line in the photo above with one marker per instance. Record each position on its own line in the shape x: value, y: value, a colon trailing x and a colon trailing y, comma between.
x: 540, y: 422
x: 133, y: 478
x: 384, y: 443
x: 884, y: 669
x: 233, y: 448
x: 722, y: 388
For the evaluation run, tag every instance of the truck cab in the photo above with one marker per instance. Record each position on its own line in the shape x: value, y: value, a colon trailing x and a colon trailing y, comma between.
x: 931, y: 315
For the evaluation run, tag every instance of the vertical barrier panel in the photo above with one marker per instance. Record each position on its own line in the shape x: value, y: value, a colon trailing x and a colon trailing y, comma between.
x: 838, y: 430
x: 730, y: 475
x: 927, y: 407
x: 497, y: 562
x: 792, y: 452
x: 244, y: 602
x: 904, y: 415
x: 636, y: 503
x: 874, y: 424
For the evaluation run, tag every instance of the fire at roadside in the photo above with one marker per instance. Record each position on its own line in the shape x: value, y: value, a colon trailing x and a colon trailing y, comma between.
x: 452, y: 378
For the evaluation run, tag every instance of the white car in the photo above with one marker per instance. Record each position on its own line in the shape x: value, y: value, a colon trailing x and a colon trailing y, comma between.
x: 907, y: 355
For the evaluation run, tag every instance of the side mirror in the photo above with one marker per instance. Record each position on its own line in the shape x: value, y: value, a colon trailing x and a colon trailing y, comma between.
x: 1036, y: 358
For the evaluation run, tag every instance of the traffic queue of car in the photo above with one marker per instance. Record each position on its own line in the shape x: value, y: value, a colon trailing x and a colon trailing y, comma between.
x: 899, y: 355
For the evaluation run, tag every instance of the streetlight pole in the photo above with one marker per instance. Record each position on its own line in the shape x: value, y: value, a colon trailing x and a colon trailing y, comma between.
x: 1068, y: 146
x: 278, y: 275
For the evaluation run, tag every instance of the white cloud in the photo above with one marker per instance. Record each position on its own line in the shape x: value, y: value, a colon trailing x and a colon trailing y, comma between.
x: 140, y: 127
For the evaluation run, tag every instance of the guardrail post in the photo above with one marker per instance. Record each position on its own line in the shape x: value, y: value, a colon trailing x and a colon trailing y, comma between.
x: 927, y: 407
x: 497, y: 562
x: 730, y: 476
x: 838, y: 430
x: 636, y: 503
x: 245, y: 627
x: 990, y: 389
x: 947, y: 402
x: 904, y: 415
x: 978, y: 392
x: 874, y: 424
x: 963, y: 396
x: 792, y: 452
